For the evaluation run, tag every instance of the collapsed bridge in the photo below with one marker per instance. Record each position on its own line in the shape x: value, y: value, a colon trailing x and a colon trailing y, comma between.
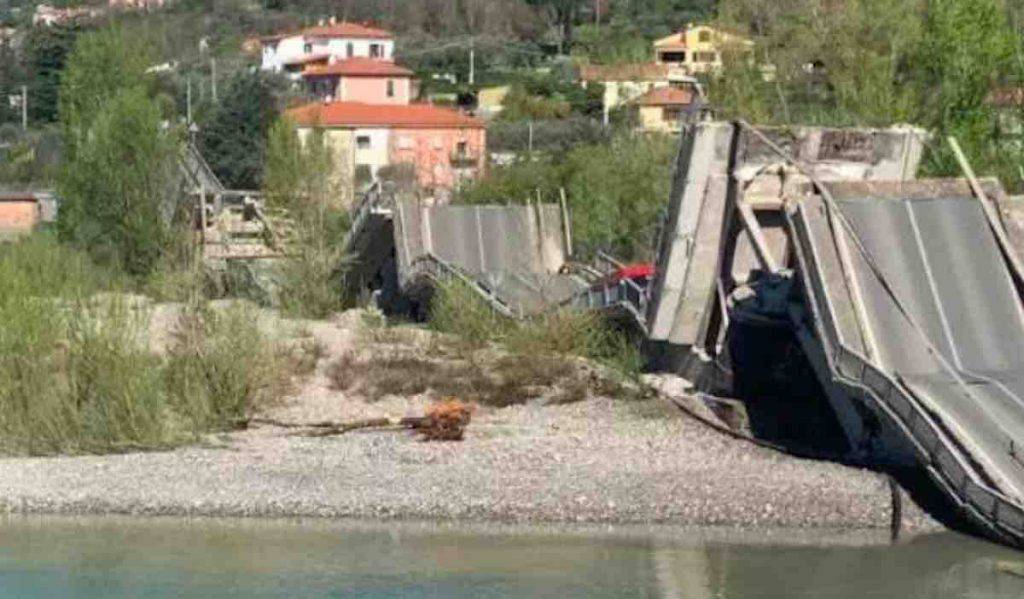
x: 517, y: 258
x: 904, y: 296
x: 808, y: 258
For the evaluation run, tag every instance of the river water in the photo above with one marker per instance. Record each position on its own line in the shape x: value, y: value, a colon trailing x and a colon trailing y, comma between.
x: 54, y: 557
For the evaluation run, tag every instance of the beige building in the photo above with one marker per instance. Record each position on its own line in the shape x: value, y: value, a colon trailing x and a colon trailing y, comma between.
x: 491, y: 100
x: 698, y: 48
x: 664, y: 109
x: 624, y: 83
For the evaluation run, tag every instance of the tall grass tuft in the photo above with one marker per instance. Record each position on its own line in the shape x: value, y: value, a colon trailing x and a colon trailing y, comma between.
x: 220, y: 366
x: 77, y: 374
x: 559, y: 334
x: 456, y: 309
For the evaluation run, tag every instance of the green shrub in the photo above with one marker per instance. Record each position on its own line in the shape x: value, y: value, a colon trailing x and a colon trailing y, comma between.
x: 220, y: 366
x: 546, y: 338
x: 77, y: 374
x: 458, y: 310
x: 613, y: 209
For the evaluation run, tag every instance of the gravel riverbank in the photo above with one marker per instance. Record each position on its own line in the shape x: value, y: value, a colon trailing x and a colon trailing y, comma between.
x: 599, y: 460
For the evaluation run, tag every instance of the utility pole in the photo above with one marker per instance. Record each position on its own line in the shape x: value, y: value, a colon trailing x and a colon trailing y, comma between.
x: 188, y: 100
x: 24, y: 108
x: 472, y: 63
x: 213, y: 79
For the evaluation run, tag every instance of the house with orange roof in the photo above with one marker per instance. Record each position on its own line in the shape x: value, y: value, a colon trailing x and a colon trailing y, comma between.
x: 698, y: 48
x: 443, y: 147
x: 624, y: 83
x: 292, y: 52
x: 663, y: 110
x: 365, y: 80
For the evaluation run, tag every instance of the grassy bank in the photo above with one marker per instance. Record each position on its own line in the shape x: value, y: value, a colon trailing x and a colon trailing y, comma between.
x: 475, y: 355
x: 78, y: 373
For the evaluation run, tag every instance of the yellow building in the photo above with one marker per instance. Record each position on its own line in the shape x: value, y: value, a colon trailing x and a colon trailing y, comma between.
x: 663, y: 110
x: 698, y: 48
x: 491, y: 100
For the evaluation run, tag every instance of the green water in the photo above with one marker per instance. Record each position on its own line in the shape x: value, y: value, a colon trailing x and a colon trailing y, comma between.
x: 208, y: 558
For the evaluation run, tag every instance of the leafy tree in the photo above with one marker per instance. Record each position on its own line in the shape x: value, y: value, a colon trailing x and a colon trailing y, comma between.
x: 966, y: 50
x: 520, y: 104
x: 564, y: 15
x: 119, y: 170
x: 299, y: 181
x: 11, y: 78
x: 234, y: 139
x: 618, y: 42
x: 613, y: 209
x: 843, y: 63
x: 117, y: 187
x: 46, y: 50
x: 103, y: 64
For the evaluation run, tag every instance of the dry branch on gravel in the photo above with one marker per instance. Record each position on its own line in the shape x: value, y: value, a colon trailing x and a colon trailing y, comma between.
x: 444, y: 421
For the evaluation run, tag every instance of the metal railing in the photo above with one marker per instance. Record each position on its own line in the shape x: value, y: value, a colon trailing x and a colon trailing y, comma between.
x: 429, y: 268
x: 372, y: 202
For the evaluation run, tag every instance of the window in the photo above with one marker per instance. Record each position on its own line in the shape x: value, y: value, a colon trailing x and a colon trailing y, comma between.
x: 704, y: 36
x: 705, y: 57
x: 391, y: 88
x: 307, y: 48
x: 671, y: 115
x: 462, y: 149
x: 374, y: 50
x: 350, y: 50
x: 673, y: 57
x: 363, y: 142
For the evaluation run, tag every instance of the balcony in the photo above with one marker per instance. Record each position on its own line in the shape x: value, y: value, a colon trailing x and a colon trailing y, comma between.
x: 464, y: 159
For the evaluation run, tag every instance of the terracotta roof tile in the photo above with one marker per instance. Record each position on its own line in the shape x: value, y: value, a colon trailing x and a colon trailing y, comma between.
x: 357, y: 114
x: 345, y: 29
x: 360, y: 67
x: 676, y: 41
x: 646, y: 71
x: 666, y: 96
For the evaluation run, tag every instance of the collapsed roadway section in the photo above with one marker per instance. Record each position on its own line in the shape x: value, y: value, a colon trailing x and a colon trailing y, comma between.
x: 905, y: 297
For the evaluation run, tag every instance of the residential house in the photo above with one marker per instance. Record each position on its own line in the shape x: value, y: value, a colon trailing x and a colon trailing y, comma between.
x: 443, y: 146
x: 317, y: 46
x: 367, y: 80
x: 663, y: 109
x: 625, y: 83
x: 22, y: 211
x: 698, y: 48
x: 490, y: 101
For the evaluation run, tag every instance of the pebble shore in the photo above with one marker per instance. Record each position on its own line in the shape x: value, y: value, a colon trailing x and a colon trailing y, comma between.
x: 596, y: 461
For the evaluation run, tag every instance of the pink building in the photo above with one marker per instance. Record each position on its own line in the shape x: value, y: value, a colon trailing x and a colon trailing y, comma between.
x: 366, y: 80
x: 366, y: 106
x: 444, y: 146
